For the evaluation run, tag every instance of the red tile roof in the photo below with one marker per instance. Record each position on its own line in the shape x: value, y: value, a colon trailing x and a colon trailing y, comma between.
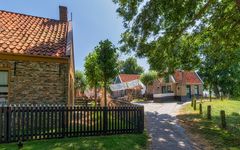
x: 30, y: 35
x: 129, y: 77
x: 188, y: 77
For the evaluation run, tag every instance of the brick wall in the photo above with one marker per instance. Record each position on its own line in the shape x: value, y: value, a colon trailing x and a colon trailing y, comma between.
x: 37, y: 82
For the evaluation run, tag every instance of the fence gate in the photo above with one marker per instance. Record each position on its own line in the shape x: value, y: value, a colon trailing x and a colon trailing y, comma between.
x: 45, y: 122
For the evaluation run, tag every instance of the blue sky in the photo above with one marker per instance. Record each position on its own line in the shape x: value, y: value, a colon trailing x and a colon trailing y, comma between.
x: 93, y: 21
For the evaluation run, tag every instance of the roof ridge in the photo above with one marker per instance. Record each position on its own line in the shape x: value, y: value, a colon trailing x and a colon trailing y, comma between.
x: 32, y: 16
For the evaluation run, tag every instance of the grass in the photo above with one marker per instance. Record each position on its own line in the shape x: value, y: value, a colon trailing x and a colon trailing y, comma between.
x: 115, y: 142
x: 211, y: 129
x: 137, y: 100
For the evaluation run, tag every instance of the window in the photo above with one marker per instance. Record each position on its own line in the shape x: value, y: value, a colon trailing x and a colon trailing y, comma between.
x: 164, y: 89
x: 3, y: 86
x: 169, y: 89
x: 196, y: 90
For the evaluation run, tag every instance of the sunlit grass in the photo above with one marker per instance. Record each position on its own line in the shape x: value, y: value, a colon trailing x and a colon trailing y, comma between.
x: 116, y: 142
x: 211, y: 129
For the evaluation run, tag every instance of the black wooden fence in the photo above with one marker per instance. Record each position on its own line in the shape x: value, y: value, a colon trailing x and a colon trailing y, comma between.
x: 44, y: 122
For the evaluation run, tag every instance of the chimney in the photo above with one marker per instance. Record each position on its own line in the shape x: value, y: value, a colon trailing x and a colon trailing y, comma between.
x: 63, y: 14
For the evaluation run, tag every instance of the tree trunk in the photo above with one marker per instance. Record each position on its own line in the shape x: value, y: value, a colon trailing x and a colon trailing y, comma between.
x: 146, y: 95
x: 210, y: 93
x: 95, y: 95
x: 105, y: 93
x: 238, y: 4
x: 216, y: 91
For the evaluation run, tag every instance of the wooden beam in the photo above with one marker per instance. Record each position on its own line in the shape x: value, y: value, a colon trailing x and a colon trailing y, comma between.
x: 18, y: 57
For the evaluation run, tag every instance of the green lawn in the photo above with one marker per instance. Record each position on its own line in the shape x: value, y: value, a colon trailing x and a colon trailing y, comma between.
x: 137, y: 100
x: 211, y: 129
x: 115, y: 142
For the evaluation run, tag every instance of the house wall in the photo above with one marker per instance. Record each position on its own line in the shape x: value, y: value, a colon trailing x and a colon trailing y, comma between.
x: 37, y: 82
x: 157, y: 86
x: 183, y: 89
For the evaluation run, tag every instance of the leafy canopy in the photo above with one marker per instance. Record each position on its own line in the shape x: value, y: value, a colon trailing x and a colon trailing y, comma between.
x: 92, y: 70
x: 130, y: 66
x: 107, y: 62
x: 149, y: 77
x: 172, y: 33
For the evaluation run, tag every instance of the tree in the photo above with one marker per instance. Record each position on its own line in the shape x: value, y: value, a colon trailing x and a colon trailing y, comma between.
x: 171, y: 33
x: 107, y: 61
x: 220, y: 72
x: 148, y: 78
x: 80, y: 81
x: 92, y: 72
x: 130, y: 66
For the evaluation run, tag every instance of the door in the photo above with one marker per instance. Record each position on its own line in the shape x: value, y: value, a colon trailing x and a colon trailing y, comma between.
x: 188, y: 91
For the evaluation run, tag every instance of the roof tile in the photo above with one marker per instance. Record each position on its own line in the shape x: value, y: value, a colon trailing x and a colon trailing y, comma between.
x: 129, y: 77
x: 187, y: 77
x: 30, y: 35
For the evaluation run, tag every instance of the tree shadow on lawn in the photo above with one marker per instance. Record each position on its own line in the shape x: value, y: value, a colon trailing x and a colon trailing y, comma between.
x: 166, y: 134
x: 115, y: 142
x: 210, y: 130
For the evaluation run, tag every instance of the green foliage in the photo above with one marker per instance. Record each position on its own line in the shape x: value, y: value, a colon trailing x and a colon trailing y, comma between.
x: 80, y: 81
x: 92, y: 70
x: 107, y: 62
x: 189, y: 35
x: 148, y: 77
x: 221, y: 72
x: 130, y: 66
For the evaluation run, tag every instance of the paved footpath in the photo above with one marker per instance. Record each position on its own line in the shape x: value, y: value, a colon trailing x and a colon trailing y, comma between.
x: 161, y: 124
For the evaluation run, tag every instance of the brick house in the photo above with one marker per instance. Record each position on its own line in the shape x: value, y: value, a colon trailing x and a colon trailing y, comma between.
x: 123, y: 80
x: 182, y: 85
x: 36, y: 59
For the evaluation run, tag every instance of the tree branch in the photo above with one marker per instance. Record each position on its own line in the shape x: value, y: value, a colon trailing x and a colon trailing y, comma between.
x: 197, y: 16
x: 238, y: 4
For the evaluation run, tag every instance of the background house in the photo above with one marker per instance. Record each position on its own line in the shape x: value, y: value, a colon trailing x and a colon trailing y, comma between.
x: 36, y: 59
x: 182, y: 85
x: 128, y: 85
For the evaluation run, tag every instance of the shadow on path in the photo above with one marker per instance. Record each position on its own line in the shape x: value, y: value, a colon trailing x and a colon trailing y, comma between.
x: 163, y: 129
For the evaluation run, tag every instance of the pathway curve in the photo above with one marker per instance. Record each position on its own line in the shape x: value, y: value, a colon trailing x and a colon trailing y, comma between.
x: 162, y: 127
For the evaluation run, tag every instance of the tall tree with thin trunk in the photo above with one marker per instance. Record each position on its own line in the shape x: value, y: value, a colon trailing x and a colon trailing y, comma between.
x: 107, y: 61
x: 92, y: 72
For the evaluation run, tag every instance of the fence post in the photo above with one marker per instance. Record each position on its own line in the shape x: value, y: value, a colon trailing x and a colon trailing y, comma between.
x: 192, y: 102
x: 105, y: 119
x: 142, y: 119
x: 7, y: 119
x: 223, y: 119
x: 200, y: 108
x: 209, y: 109
x: 63, y: 120
x: 195, y: 104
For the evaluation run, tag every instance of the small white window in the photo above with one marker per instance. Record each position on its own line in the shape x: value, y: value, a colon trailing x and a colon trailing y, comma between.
x: 196, y: 90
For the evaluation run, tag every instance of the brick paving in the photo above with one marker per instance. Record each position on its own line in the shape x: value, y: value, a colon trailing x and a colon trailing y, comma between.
x: 162, y: 127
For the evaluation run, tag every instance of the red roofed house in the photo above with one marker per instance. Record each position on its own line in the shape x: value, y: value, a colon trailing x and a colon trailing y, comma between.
x: 36, y: 59
x: 126, y: 78
x: 182, y: 85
